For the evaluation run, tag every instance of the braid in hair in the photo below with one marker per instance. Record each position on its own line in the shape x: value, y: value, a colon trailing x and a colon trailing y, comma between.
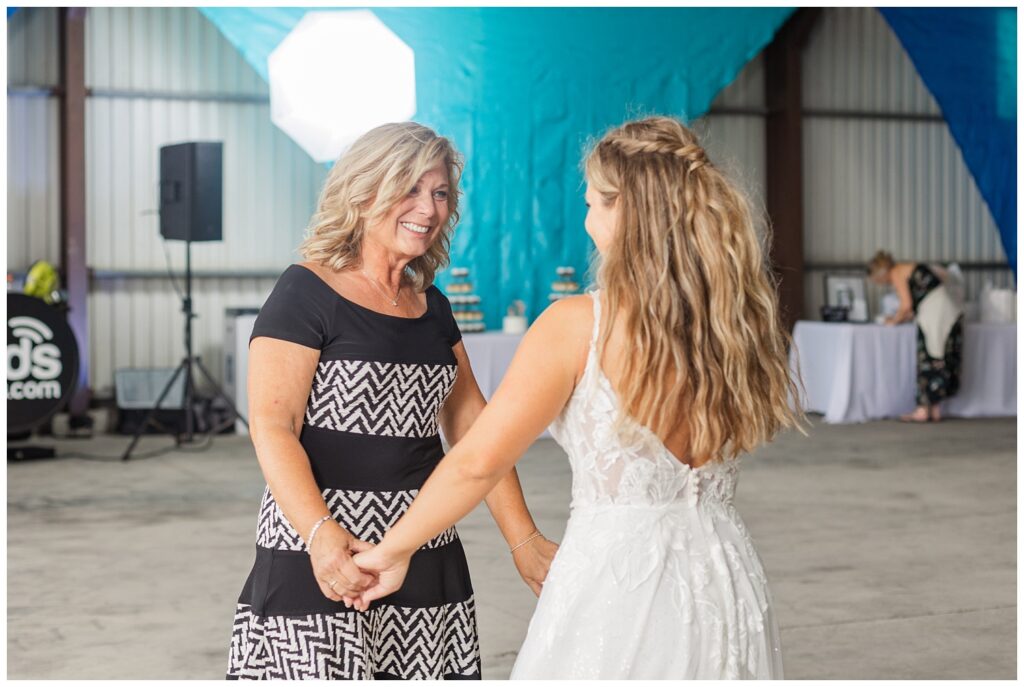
x: 690, y: 153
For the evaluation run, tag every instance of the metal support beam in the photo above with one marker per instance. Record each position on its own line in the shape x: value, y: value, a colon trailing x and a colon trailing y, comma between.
x: 164, y: 275
x: 867, y: 115
x: 965, y: 265
x: 132, y: 94
x: 784, y: 163
x: 72, y: 191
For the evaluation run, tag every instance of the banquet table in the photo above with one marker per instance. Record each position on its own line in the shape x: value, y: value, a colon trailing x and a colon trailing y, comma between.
x: 490, y: 354
x: 860, y: 372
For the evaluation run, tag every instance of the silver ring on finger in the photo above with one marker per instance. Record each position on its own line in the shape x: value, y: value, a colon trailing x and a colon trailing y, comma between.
x: 331, y: 584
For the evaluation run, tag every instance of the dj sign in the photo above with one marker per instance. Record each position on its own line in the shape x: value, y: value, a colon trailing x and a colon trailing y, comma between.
x: 42, y: 362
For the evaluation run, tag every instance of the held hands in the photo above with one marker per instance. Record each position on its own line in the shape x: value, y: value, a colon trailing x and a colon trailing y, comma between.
x: 331, y: 556
x: 374, y: 572
x: 389, y: 571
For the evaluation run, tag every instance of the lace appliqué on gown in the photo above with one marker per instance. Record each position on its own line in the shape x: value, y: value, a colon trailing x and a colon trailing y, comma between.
x: 657, y: 576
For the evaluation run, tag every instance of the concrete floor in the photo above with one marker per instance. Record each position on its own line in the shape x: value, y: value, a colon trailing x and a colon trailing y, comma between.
x: 891, y: 551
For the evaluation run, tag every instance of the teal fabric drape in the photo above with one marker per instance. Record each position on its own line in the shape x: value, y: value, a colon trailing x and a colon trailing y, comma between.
x: 520, y: 91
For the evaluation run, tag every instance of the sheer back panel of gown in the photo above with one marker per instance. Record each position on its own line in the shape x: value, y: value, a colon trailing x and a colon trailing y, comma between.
x: 656, y: 576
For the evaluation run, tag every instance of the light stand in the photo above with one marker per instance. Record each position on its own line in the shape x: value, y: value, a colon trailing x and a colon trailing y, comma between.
x: 187, y: 363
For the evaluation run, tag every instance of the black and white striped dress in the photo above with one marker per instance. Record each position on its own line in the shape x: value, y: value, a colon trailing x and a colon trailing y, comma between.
x: 371, y: 435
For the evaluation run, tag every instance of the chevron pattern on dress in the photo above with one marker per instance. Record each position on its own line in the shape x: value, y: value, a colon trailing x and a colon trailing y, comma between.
x: 426, y: 643
x: 407, y: 643
x: 326, y: 647
x: 367, y: 515
x: 381, y: 399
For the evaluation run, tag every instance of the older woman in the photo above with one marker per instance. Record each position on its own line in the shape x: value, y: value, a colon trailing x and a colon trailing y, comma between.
x: 925, y: 298
x: 355, y: 360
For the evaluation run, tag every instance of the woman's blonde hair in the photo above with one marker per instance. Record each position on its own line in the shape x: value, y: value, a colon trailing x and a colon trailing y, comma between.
x: 882, y: 261
x: 686, y: 270
x: 366, y: 183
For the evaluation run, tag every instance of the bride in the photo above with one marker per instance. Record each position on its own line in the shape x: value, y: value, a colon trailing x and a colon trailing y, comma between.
x: 655, y: 385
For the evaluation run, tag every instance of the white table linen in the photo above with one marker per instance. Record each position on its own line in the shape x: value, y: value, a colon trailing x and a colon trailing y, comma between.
x: 490, y: 354
x: 861, y: 372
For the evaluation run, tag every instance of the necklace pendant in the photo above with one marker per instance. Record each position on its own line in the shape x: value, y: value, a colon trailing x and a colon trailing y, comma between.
x: 383, y: 292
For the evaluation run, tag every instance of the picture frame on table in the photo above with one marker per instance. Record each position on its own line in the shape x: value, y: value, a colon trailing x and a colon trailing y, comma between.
x: 849, y: 291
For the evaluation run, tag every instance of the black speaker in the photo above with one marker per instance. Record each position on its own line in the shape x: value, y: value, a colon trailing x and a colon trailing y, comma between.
x: 191, y: 198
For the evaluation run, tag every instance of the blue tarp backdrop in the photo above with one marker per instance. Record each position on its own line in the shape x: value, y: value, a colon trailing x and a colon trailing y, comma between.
x: 520, y: 91
x: 967, y: 57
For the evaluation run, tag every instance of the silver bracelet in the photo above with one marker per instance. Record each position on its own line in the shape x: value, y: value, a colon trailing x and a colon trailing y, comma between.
x: 312, y: 532
x: 525, y: 542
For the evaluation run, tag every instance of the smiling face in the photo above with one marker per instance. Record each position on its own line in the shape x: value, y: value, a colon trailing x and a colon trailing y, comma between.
x: 415, y: 222
x: 601, y: 219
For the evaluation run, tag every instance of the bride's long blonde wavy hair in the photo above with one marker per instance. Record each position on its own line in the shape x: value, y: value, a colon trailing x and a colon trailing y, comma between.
x: 686, y: 270
x: 366, y: 182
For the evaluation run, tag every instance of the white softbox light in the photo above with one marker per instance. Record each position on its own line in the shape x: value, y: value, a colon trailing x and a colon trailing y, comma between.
x: 337, y: 75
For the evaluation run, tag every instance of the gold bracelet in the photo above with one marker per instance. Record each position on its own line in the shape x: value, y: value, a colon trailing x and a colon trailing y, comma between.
x: 525, y: 541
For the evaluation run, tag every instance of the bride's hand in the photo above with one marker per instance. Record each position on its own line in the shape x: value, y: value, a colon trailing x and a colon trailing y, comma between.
x: 533, y: 560
x: 389, y: 570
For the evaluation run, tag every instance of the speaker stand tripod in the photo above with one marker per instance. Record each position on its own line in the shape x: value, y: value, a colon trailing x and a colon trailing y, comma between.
x: 186, y: 366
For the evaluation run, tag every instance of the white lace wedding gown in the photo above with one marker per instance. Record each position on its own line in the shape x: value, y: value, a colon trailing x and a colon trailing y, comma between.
x: 656, y: 576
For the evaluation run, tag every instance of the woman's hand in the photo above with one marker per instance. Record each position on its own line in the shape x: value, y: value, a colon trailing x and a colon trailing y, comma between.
x: 331, y: 555
x: 899, y: 317
x: 533, y: 560
x: 388, y: 569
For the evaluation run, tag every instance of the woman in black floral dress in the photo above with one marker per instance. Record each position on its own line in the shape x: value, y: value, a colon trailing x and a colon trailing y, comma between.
x: 940, y: 328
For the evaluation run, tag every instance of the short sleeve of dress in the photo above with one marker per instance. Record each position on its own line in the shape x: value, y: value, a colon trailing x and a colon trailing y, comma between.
x: 453, y: 334
x: 297, y: 310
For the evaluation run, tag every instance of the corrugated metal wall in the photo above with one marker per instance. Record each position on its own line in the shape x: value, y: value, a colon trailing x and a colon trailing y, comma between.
x: 735, y: 139
x: 138, y: 322
x: 854, y: 61
x: 158, y: 76
x: 164, y: 49
x: 898, y: 184
x: 32, y: 56
x: 33, y: 181
x: 269, y: 187
x: 162, y: 76
x: 33, y: 169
